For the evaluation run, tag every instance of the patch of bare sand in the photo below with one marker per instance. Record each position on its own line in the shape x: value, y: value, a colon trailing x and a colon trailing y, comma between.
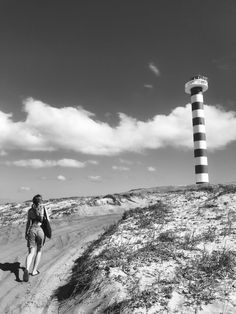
x: 70, y: 237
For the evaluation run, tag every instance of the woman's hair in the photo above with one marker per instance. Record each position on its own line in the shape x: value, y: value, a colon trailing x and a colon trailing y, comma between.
x: 35, y: 197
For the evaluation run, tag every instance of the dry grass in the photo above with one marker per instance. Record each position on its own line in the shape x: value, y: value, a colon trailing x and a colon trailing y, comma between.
x: 147, y: 238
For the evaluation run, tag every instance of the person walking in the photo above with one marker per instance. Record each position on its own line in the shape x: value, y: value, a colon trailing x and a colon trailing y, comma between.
x: 34, y: 235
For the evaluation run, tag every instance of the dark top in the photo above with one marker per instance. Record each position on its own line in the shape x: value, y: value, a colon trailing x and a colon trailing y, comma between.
x: 36, y: 213
x: 35, y: 216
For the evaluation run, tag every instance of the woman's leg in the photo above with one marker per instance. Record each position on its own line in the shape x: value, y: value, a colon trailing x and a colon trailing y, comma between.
x: 29, y: 257
x: 36, y: 261
x: 39, y: 241
x: 28, y: 263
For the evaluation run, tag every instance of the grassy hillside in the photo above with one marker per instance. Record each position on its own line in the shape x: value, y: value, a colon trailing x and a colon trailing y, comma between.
x: 178, y: 255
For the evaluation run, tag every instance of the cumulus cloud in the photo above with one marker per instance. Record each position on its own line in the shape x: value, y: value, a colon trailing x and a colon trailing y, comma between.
x: 70, y: 163
x: 24, y: 189
x: 61, y: 178
x: 48, y: 128
x: 151, y: 169
x: 38, y: 163
x: 154, y: 69
x: 95, y: 178
x: 120, y: 168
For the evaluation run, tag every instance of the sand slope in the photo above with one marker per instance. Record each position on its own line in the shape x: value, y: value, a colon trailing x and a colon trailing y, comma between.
x: 75, y: 222
x: 71, y: 235
x: 175, y: 256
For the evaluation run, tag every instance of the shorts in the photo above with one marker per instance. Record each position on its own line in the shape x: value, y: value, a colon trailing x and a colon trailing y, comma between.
x: 35, y: 237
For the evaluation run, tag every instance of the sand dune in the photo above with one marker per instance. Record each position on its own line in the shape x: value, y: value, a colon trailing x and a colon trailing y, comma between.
x: 75, y: 222
x: 70, y: 237
x: 175, y: 256
x: 192, y: 214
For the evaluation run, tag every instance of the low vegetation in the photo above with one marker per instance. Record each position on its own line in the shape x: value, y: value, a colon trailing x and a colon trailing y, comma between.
x: 173, y: 251
x: 175, y: 256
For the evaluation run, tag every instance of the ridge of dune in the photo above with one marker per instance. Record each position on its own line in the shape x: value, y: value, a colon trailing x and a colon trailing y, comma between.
x: 15, y: 213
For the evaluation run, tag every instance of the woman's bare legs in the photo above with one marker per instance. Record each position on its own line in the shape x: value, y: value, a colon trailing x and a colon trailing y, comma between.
x: 36, y: 261
x: 29, y: 257
x: 28, y: 262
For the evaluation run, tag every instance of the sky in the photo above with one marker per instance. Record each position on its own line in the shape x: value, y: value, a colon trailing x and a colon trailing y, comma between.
x: 92, y: 94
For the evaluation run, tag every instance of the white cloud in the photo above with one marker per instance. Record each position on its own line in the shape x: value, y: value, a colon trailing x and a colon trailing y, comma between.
x: 77, y: 130
x: 148, y: 86
x: 151, y: 169
x: 120, y: 168
x: 70, y: 163
x: 154, y: 69
x: 24, y: 188
x: 38, y: 163
x: 220, y: 127
x: 31, y: 163
x: 95, y: 178
x: 61, y: 178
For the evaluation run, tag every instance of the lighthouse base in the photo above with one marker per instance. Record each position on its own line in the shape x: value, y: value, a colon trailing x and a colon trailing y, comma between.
x: 202, y: 178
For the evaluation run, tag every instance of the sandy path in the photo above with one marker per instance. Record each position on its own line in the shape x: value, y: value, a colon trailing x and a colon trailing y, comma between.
x: 70, y: 238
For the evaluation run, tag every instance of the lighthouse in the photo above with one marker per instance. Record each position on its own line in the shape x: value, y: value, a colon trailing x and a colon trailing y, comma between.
x: 196, y: 87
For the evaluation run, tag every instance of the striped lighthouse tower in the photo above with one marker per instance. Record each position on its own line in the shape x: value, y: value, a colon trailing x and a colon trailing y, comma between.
x: 196, y: 86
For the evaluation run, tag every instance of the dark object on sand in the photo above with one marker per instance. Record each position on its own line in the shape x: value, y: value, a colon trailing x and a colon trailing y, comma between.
x: 46, y: 226
x: 26, y: 275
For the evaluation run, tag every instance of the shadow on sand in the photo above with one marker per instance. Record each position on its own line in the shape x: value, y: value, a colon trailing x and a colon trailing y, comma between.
x: 66, y: 291
x: 13, y: 268
x: 75, y: 286
x: 82, y: 276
